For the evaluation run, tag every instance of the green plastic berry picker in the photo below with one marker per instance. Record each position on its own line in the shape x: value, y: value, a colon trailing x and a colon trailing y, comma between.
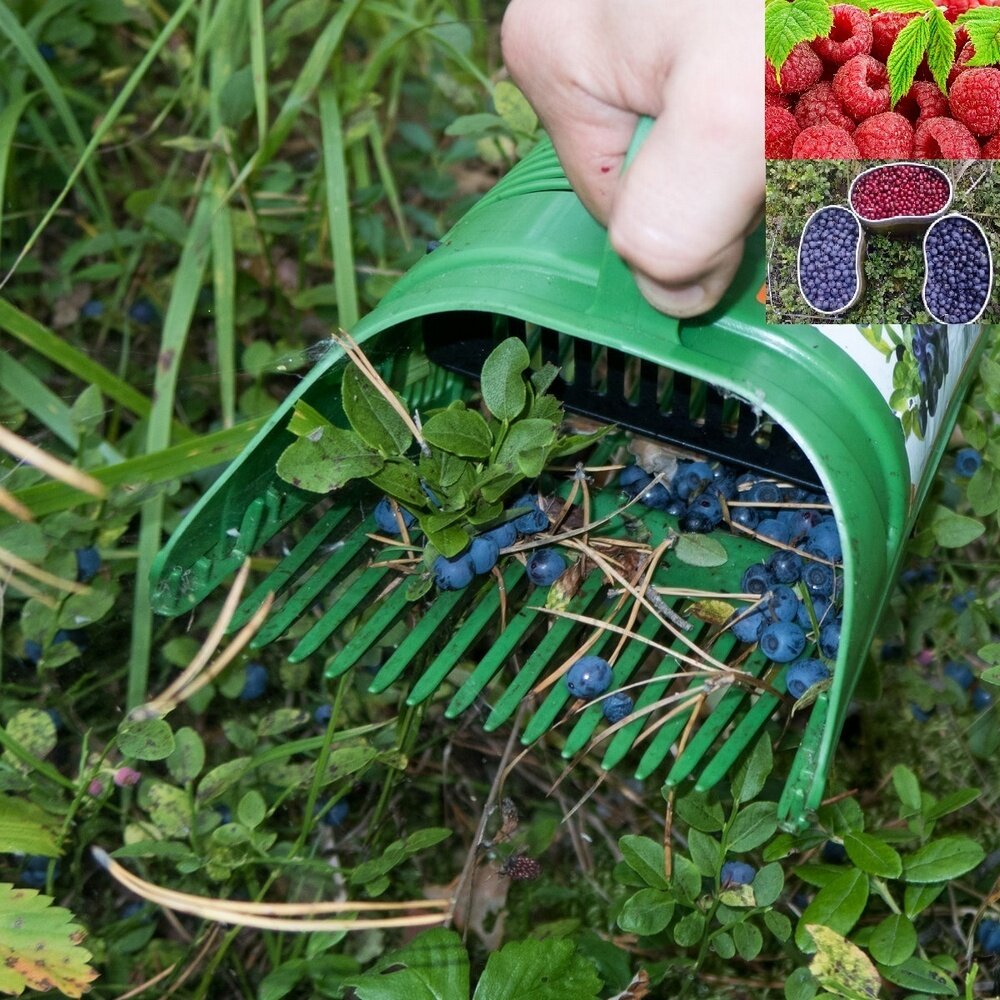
x: 807, y: 405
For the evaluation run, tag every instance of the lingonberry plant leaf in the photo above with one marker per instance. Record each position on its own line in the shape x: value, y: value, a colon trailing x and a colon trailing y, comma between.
x: 788, y: 24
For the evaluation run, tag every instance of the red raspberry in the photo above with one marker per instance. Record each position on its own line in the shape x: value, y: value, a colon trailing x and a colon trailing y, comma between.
x: 888, y: 136
x: 885, y: 30
x: 975, y: 100
x: 991, y: 151
x: 944, y: 139
x: 780, y: 130
x: 819, y: 106
x: 922, y: 101
x: 799, y: 71
x: 959, y: 66
x: 851, y: 35
x: 955, y: 7
x: 862, y: 87
x: 775, y: 100
x: 824, y: 142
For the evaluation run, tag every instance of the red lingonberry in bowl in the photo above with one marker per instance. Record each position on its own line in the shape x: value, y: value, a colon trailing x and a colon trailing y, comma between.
x: 799, y: 71
x: 780, y: 132
x: 885, y: 30
x: 944, y: 139
x: 824, y: 142
x: 975, y: 100
x: 888, y: 136
x: 851, y: 35
x: 862, y: 87
x: 819, y: 106
x: 899, y: 190
x: 922, y: 101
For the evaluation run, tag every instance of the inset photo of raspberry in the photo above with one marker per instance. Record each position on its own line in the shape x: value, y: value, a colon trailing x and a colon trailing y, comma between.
x: 846, y: 83
x: 871, y: 242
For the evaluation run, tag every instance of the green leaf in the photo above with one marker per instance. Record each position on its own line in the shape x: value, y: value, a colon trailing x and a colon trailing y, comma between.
x: 372, y: 416
x: 282, y: 720
x: 893, y: 941
x: 26, y: 828
x: 917, y: 898
x: 461, y: 432
x: 907, y: 6
x: 700, y: 550
x: 251, y: 809
x: 236, y: 98
x: 940, y: 49
x: 647, y: 912
x: 907, y: 788
x: 942, y: 859
x: 722, y: 945
x: 168, y: 806
x: 752, y: 826
x: 706, y: 853
x: 535, y: 970
x: 147, y: 739
x: 34, y: 731
x: 787, y: 24
x: 420, y: 840
x: 40, y: 946
x: 767, y: 884
x: 983, y: 26
x: 524, y: 436
x: 906, y: 56
x: 513, y: 108
x: 952, y: 531
x: 542, y: 379
x: 837, y: 906
x: 697, y: 811
x: 952, y: 802
x: 689, y: 929
x: 503, y: 388
x: 220, y: 778
x: 873, y: 856
x: 402, y: 482
x: 801, y: 985
x: 685, y: 879
x: 983, y: 490
x: 645, y: 857
x: 842, y: 967
x: 748, y: 940
x: 433, y: 966
x: 188, y: 756
x: 81, y: 610
x: 778, y: 924
x: 916, y: 974
x: 327, y: 459
x: 752, y: 773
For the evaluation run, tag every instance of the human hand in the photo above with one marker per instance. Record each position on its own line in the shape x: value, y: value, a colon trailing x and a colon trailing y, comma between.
x: 680, y: 212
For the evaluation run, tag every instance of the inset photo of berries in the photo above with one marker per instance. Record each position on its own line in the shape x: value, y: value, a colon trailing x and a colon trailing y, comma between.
x: 858, y: 81
x: 871, y: 242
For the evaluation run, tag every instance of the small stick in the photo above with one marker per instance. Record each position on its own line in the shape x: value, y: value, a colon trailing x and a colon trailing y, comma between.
x: 33, y: 455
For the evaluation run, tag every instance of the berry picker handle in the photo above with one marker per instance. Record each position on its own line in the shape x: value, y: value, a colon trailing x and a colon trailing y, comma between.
x: 617, y: 291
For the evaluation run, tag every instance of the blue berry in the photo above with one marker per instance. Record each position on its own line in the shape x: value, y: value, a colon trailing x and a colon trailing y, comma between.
x: 47, y: 52
x: 385, y: 519
x: 749, y: 627
x: 633, y: 480
x: 708, y: 507
x: 821, y: 608
x: 455, y: 573
x: 531, y: 523
x: 323, y: 713
x: 143, y: 312
x: 988, y: 936
x: 225, y: 815
x: 745, y: 517
x: 803, y: 674
x: 783, y: 604
x: 32, y: 650
x: 818, y: 578
x: 657, y: 497
x: 764, y: 492
x: 773, y: 528
x: 484, y: 553
x: 785, y: 566
x: 825, y: 541
x: 545, y: 566
x: 828, y: 259
x: 505, y: 535
x: 92, y: 309
x: 73, y: 635
x: 981, y: 699
x: 617, y: 706
x: 782, y: 641
x: 689, y: 477
x: 736, y: 873
x: 961, y: 601
x: 588, y: 677
x: 254, y: 683
x: 833, y: 853
x: 88, y: 562
x: 756, y: 580
x: 722, y: 486
x: 967, y: 461
x: 920, y: 714
x: 961, y: 673
x: 798, y: 523
x: 958, y: 276
x: 676, y: 508
x: 336, y: 814
x: 829, y: 638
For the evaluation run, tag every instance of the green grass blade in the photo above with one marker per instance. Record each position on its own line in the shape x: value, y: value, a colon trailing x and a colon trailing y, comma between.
x: 338, y: 206
x: 9, y: 119
x: 43, y: 404
x: 388, y: 180
x: 258, y: 62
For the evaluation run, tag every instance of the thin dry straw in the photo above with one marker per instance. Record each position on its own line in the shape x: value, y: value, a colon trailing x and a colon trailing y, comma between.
x: 14, y: 507
x: 15, y: 562
x: 275, y: 916
x: 32, y: 454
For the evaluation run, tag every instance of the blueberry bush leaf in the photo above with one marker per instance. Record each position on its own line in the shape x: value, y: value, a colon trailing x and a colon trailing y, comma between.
x: 326, y: 459
x: 873, y: 856
x: 700, y: 550
x: 838, y: 905
x: 842, y: 967
x: 942, y: 859
x: 503, y: 388
x: 371, y: 415
x: 542, y: 970
x: 460, y: 432
x: 40, y: 946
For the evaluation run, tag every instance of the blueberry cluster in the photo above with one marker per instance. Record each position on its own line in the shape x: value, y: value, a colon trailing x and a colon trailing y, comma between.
x: 958, y: 271
x: 930, y: 351
x: 828, y: 259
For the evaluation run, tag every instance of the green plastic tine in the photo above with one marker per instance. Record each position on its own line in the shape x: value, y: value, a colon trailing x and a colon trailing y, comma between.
x: 631, y: 658
x: 501, y: 648
x: 311, y: 589
x: 544, y: 653
x: 745, y: 731
x: 485, y: 611
x: 415, y: 641
x: 335, y: 616
x: 289, y: 567
x: 387, y: 611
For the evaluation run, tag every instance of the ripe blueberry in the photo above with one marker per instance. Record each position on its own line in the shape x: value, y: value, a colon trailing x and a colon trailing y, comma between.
x: 748, y: 628
x: 981, y: 699
x: 254, y: 682
x: 88, y: 562
x: 336, y: 814
x: 785, y: 566
x: 988, y: 936
x: 504, y: 534
x: 532, y: 522
x: 818, y: 578
x: 783, y: 604
x: 961, y: 673
x: 455, y: 573
x: 736, y: 873
x: 617, y: 706
x: 756, y: 579
x: 588, y: 677
x: 967, y: 461
x: 803, y: 674
x: 385, y: 519
x: 484, y: 553
x: 829, y: 638
x: 658, y: 497
x: 774, y: 529
x: 782, y: 641
x: 633, y: 480
x: 545, y: 566
x: 745, y: 517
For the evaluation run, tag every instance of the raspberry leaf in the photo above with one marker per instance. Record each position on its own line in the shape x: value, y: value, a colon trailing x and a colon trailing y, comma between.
x: 787, y: 24
x: 940, y: 49
x: 983, y: 26
x: 907, y: 6
x: 905, y: 57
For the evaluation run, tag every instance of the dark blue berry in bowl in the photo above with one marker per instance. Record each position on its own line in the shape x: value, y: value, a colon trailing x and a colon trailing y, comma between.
x: 958, y: 272
x: 756, y: 579
x: 782, y: 641
x: 694, y: 522
x: 763, y: 491
x: 824, y: 541
x: 633, y: 479
x: 803, y: 674
x: 829, y: 265
x: 589, y: 677
x: 745, y: 517
x: 829, y: 638
x: 455, y: 573
x: 545, y: 566
x: 783, y: 604
x: 785, y: 566
x: 617, y: 706
x: 818, y: 578
x: 531, y: 523
x: 820, y: 608
x: 676, y: 508
x: 735, y: 873
x: 773, y: 528
x: 657, y: 497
